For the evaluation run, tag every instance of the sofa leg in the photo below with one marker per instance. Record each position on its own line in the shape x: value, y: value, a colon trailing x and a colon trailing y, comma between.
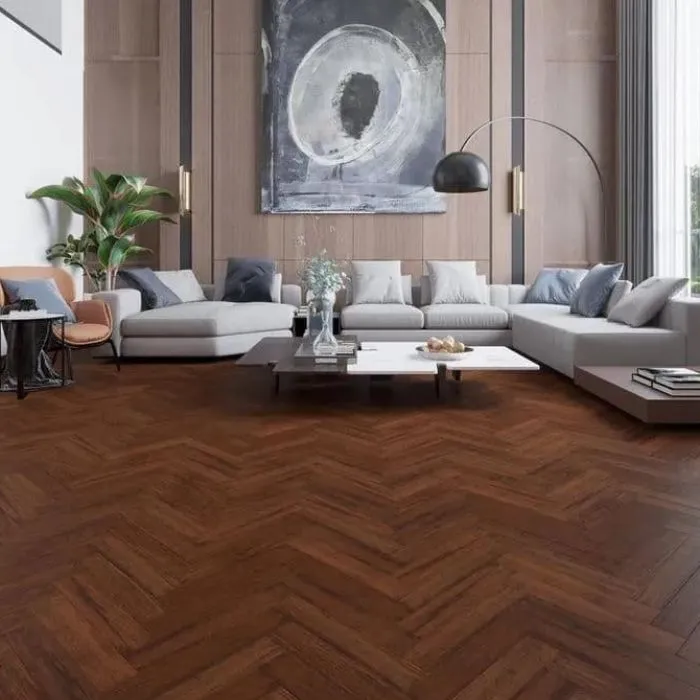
x: 116, y: 355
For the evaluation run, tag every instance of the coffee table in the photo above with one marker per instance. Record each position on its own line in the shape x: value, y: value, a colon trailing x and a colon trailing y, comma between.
x: 615, y: 385
x: 383, y: 360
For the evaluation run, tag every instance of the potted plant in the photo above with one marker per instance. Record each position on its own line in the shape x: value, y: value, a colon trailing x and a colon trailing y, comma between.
x: 113, y: 209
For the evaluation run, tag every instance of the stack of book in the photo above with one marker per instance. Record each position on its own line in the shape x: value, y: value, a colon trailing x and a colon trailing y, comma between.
x: 678, y: 382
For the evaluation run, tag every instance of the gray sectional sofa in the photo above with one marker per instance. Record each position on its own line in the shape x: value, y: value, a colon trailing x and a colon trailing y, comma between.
x: 549, y: 334
x: 202, y: 326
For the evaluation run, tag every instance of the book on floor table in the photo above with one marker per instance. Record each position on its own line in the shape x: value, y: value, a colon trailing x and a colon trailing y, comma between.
x: 675, y: 372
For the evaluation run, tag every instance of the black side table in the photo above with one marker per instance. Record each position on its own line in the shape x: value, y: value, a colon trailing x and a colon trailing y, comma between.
x: 27, y: 366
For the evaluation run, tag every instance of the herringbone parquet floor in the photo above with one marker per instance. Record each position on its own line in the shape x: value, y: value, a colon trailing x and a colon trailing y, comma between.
x: 175, y: 532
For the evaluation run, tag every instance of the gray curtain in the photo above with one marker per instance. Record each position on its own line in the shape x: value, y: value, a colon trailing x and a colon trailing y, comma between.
x: 635, y: 156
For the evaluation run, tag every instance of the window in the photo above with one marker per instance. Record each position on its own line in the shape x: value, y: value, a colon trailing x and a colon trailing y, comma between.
x: 677, y: 139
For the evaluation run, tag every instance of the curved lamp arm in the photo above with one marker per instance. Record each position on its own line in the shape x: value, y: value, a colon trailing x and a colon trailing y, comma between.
x: 469, y: 170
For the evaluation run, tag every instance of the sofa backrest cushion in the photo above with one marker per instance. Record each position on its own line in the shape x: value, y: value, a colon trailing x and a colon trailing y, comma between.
x: 621, y: 289
x: 183, y: 283
x: 425, y: 297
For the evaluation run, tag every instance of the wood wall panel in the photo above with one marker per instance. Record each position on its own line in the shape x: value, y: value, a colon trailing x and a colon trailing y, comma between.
x: 123, y: 80
x: 570, y: 81
x: 239, y: 228
x: 121, y: 29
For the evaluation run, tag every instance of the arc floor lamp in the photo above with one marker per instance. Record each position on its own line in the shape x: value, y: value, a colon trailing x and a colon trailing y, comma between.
x: 464, y: 172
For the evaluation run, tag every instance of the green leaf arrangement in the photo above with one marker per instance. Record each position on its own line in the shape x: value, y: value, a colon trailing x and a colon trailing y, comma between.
x: 113, y: 208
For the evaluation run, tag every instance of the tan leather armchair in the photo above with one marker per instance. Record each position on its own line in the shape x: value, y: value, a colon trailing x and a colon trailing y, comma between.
x: 94, y: 319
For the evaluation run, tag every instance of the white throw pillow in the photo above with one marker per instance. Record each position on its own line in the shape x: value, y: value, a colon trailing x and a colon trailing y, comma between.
x: 183, y: 283
x: 454, y: 282
x: 377, y: 282
x: 425, y: 296
x: 646, y: 300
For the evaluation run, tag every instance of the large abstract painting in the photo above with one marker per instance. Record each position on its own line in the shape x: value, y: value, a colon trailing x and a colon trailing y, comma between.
x: 354, y: 105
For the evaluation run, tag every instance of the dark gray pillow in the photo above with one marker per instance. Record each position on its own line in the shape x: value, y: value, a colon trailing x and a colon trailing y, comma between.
x: 249, y: 279
x: 154, y: 293
x: 555, y: 285
x: 44, y: 291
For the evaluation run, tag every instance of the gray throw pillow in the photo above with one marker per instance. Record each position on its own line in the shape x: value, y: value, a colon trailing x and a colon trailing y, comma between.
x: 555, y: 285
x: 594, y: 291
x: 646, y: 300
x: 155, y: 294
x: 249, y: 279
x: 44, y: 291
x: 621, y: 289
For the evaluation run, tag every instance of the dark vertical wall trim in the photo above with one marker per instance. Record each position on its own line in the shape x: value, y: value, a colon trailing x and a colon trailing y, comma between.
x: 186, y: 122
x: 518, y: 97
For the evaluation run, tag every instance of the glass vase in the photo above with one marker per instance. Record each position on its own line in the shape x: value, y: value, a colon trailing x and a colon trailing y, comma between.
x: 325, y: 343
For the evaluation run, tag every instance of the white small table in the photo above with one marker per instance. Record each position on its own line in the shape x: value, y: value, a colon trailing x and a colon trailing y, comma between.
x: 396, y: 358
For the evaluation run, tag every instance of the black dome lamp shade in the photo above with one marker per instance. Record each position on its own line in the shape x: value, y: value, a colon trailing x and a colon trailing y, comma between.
x: 464, y: 172
x: 461, y: 172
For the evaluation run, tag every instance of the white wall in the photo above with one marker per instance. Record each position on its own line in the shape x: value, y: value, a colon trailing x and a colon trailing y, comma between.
x: 41, y: 133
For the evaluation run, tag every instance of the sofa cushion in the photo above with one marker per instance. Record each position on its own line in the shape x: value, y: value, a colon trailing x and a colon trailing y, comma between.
x: 621, y: 289
x: 645, y: 301
x: 555, y: 285
x: 377, y: 282
x: 205, y: 319
x: 155, y: 293
x: 249, y: 280
x: 381, y: 316
x: 454, y: 282
x: 477, y: 316
x: 45, y: 293
x: 183, y: 283
x: 591, y: 297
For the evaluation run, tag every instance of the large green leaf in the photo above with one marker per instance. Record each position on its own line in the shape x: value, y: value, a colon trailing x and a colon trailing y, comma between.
x: 104, y: 250
x: 141, y: 217
x: 134, y: 181
x: 80, y: 203
x: 135, y: 250
x: 102, y: 188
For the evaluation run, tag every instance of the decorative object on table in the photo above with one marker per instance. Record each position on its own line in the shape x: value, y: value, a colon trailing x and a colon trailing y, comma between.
x: 593, y: 293
x: 113, y: 209
x: 155, y: 294
x: 323, y: 278
x: 554, y: 285
x: 27, y: 366
x: 249, y: 279
x: 443, y: 349
x: 646, y: 300
x: 354, y: 105
x: 345, y: 351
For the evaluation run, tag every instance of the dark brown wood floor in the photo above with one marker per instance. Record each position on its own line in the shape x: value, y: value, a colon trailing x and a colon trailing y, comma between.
x: 175, y: 532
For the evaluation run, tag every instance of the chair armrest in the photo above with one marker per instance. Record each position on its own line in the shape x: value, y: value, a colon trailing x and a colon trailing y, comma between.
x: 122, y: 303
x: 92, y: 311
x: 291, y: 294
